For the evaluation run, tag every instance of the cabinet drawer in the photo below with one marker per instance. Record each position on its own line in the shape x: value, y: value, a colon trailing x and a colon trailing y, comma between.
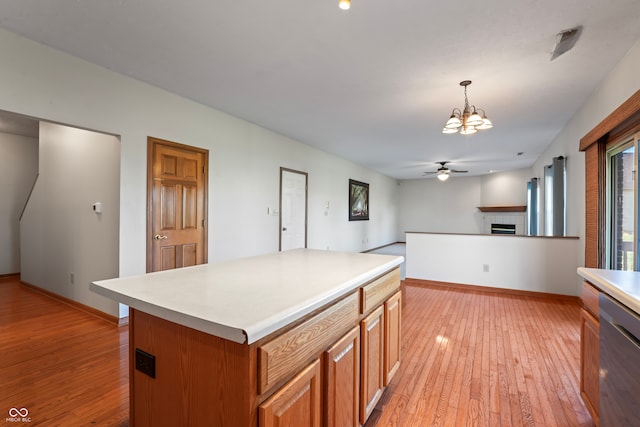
x: 590, y: 298
x: 374, y: 294
x: 287, y: 354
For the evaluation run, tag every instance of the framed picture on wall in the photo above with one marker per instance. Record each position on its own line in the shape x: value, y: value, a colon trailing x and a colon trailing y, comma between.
x: 358, y: 201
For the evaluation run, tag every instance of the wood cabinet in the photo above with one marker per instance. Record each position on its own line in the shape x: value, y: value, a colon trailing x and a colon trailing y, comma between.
x: 590, y: 350
x: 342, y: 381
x: 327, y: 368
x: 375, y: 293
x: 297, y: 403
x: 392, y: 336
x: 372, y: 365
x: 292, y: 350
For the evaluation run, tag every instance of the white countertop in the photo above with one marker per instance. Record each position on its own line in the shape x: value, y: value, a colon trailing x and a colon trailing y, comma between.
x: 623, y: 286
x: 247, y: 299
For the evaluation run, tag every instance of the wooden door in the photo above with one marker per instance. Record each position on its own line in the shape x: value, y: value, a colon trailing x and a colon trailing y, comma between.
x: 297, y: 403
x: 342, y: 381
x: 176, y: 205
x: 392, y: 337
x: 371, y: 377
x: 293, y: 209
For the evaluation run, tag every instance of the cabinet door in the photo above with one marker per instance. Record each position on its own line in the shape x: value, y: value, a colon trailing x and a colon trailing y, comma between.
x: 372, y: 366
x: 342, y: 381
x: 297, y: 403
x: 392, y: 337
x: 590, y: 362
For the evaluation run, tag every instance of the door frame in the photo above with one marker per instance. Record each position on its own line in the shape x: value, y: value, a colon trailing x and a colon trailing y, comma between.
x: 151, y: 144
x: 306, y: 205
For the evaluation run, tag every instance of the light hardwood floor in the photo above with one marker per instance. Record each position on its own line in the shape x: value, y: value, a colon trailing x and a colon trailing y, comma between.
x: 474, y: 358
x: 469, y: 358
x: 66, y: 367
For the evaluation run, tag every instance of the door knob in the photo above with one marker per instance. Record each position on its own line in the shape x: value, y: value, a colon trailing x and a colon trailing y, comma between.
x: 284, y: 228
x: 159, y: 237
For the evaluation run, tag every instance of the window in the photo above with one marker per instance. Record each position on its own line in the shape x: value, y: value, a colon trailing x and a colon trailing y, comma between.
x: 555, y: 213
x: 624, y: 120
x: 622, y: 206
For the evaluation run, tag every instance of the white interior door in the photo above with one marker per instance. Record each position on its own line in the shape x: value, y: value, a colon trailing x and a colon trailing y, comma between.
x: 293, y: 209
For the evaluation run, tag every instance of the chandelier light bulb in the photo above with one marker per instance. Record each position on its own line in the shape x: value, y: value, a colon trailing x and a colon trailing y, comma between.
x: 474, y: 119
x: 467, y: 130
x: 344, y: 4
x: 453, y: 122
x: 486, y: 124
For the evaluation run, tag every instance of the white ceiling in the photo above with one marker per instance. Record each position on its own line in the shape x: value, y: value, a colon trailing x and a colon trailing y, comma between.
x: 374, y: 84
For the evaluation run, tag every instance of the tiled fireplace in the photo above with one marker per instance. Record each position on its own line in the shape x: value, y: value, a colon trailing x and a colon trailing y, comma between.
x: 510, y: 219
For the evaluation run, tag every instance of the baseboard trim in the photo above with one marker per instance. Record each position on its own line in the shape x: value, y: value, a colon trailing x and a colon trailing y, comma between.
x: 77, y: 305
x: 489, y: 289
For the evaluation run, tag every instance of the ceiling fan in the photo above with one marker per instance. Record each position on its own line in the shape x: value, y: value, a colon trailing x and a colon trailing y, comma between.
x: 443, y: 172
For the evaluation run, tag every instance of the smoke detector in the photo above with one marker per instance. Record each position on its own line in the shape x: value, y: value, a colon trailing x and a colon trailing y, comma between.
x: 565, y: 40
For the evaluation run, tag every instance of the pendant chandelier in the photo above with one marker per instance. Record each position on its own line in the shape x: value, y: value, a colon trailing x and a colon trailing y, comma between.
x: 469, y: 120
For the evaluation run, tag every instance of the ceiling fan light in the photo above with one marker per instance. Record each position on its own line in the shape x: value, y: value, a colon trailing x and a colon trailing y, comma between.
x: 443, y: 175
x: 344, y: 4
x: 453, y: 122
x: 486, y: 124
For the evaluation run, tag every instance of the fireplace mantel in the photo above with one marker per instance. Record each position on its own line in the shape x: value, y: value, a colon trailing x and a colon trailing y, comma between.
x: 502, y: 208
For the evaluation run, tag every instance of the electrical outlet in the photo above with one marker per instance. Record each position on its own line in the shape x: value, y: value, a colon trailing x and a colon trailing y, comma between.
x: 72, y: 278
x: 485, y: 268
x: 146, y: 363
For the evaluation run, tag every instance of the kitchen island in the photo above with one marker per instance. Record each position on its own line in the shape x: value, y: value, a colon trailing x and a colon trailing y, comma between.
x: 291, y: 338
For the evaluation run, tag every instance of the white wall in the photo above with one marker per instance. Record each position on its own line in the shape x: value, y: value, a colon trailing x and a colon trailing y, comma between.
x: 250, y: 230
x: 64, y: 244
x: 617, y: 87
x: 446, y: 207
x: 507, y: 188
x: 19, y: 160
x: 244, y: 158
x: 452, y: 206
x: 538, y: 264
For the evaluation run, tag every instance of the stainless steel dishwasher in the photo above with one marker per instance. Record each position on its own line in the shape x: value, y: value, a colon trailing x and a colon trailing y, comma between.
x: 619, y: 365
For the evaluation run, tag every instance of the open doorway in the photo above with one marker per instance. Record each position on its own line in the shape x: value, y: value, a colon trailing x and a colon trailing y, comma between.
x: 64, y: 225
x: 19, y: 160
